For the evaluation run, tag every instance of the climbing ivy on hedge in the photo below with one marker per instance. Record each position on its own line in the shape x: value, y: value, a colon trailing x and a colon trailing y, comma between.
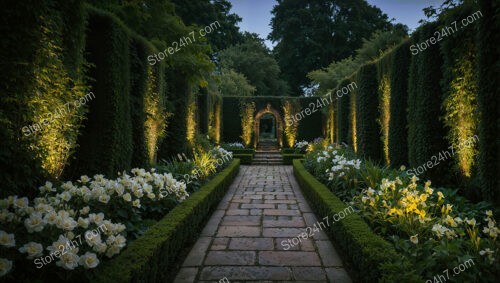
x: 106, y: 140
x: 398, y: 132
x: 367, y: 128
x: 459, y: 86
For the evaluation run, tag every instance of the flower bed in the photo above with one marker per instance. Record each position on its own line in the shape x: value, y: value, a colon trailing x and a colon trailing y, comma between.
x: 434, y: 229
x: 369, y: 256
x: 151, y: 257
x: 84, y: 223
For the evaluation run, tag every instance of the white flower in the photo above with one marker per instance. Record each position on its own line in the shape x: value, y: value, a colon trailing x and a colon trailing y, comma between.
x: 34, y: 223
x: 471, y: 222
x: 104, y: 198
x: 67, y: 224
x: 89, y: 260
x: 96, y: 218
x: 65, y: 196
x: 92, y: 238
x: 58, y: 245
x: 127, y: 197
x: 83, y: 222
x: 84, y: 179
x: 51, y: 218
x: 7, y: 240
x: 414, y: 239
x: 85, y: 210
x: 32, y: 249
x: 20, y: 203
x: 5, y: 266
x: 136, y: 203
x: 69, y: 260
x: 111, y: 251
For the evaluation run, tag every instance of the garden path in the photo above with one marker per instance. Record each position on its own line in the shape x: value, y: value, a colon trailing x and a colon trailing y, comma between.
x: 242, y: 240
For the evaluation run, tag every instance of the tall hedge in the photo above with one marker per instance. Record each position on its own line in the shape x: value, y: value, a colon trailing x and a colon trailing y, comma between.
x: 424, y: 109
x: 398, y: 131
x: 42, y: 71
x: 106, y: 140
x: 179, y: 92
x: 367, y: 128
x: 488, y: 69
x: 138, y: 88
x: 343, y: 108
x: 384, y: 67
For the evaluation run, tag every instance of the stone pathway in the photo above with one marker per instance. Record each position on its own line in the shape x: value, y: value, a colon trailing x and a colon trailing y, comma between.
x: 242, y: 240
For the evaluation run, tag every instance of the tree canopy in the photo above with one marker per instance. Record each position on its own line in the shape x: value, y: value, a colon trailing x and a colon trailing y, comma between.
x: 254, y: 60
x: 310, y: 34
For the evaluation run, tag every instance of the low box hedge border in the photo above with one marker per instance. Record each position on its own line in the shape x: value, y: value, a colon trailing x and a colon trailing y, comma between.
x: 371, y: 258
x: 288, y: 158
x: 151, y: 257
x: 242, y: 151
x: 245, y: 159
x: 287, y: 150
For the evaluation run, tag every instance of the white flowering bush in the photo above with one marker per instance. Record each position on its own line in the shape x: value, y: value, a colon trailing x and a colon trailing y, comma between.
x: 64, y: 219
x: 234, y: 145
x: 301, y: 147
x: 435, y: 228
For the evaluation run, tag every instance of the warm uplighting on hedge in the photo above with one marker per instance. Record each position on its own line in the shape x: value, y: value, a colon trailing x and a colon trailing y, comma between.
x: 156, y: 117
x: 353, y: 122
x: 460, y: 114
x: 290, y: 127
x: 55, y: 106
x: 330, y: 124
x: 191, y: 122
x: 247, y: 111
x: 385, y: 114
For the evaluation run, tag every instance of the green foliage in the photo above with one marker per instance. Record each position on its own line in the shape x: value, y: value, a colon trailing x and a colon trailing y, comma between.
x: 367, y: 129
x: 398, y: 132
x: 488, y: 68
x: 233, y: 83
x: 289, y: 158
x: 254, y: 61
x: 153, y: 256
x: 245, y: 159
x: 310, y: 34
x: 106, y: 140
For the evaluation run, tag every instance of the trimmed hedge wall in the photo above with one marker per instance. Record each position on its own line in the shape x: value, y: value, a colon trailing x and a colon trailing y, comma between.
x: 245, y: 158
x: 367, y: 128
x: 289, y: 158
x: 398, y: 132
x: 371, y: 258
x: 424, y: 109
x: 106, y: 139
x: 151, y: 257
x: 343, y: 110
x: 138, y: 88
x: 488, y: 69
x: 310, y: 127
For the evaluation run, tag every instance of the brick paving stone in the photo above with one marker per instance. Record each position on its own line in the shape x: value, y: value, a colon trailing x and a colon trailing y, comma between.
x: 242, y: 239
x: 289, y: 258
x: 282, y: 232
x: 309, y: 273
x: 238, y: 231
x: 219, y: 244
x: 252, y: 244
x: 245, y: 273
x: 230, y: 258
x: 232, y: 220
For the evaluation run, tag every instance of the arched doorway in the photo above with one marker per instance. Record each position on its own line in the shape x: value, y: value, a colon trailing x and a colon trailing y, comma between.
x: 272, y: 125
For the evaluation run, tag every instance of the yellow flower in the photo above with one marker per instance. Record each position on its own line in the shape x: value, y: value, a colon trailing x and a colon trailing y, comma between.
x: 440, y: 196
x: 414, y: 239
x: 423, y: 197
x: 489, y: 213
